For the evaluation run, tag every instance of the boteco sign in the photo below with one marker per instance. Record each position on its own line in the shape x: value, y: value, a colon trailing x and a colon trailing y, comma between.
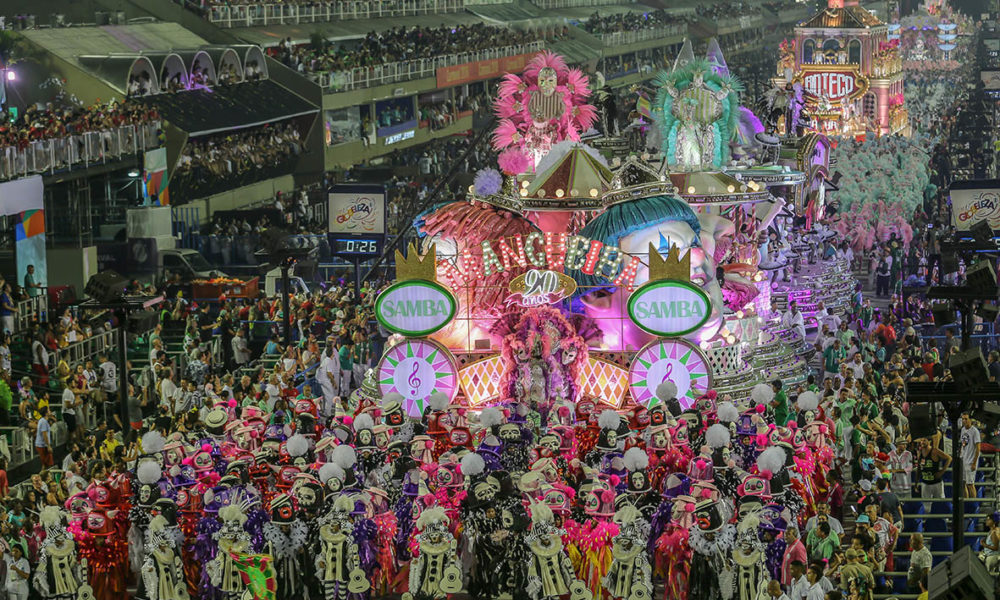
x: 833, y: 82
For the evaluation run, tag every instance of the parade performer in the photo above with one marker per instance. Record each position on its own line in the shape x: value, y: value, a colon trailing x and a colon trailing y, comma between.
x: 550, y: 572
x: 435, y: 570
x: 162, y: 571
x: 286, y: 537
x: 630, y: 575
x: 59, y: 575
x: 338, y: 561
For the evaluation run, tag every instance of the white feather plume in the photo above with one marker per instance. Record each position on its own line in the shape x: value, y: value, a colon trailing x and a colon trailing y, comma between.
x: 635, y: 459
x: 472, y: 464
x: 762, y: 393
x: 50, y: 516
x: 437, y: 401
x: 808, y: 400
x: 297, y: 445
x: 153, y: 442
x: 363, y: 421
x: 344, y: 456
x: 392, y: 397
x: 727, y: 412
x: 344, y: 503
x: 717, y: 436
x: 666, y: 391
x: 490, y: 416
x: 149, y: 472
x: 541, y: 513
x: 772, y: 459
x: 329, y: 470
x: 430, y: 516
x: 233, y: 512
x: 608, y: 419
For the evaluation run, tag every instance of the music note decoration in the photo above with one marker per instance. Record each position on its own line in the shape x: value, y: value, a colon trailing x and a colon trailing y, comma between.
x: 414, y: 369
x: 669, y: 360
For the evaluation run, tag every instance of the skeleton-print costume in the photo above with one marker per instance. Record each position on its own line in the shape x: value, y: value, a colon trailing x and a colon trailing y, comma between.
x: 550, y: 572
x: 435, y: 572
x: 231, y: 538
x: 630, y: 575
x: 59, y: 573
x: 338, y: 564
x: 163, y: 571
x: 711, y: 575
x: 286, y: 537
x: 749, y: 561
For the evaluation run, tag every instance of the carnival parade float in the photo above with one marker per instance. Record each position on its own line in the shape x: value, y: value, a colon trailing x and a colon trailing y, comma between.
x: 586, y: 394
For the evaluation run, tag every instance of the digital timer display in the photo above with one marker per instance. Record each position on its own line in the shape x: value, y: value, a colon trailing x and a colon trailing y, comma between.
x: 356, y: 246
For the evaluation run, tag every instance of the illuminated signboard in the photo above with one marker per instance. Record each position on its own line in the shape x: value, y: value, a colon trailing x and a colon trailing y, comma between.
x: 539, y: 287
x: 399, y: 137
x: 669, y: 307
x: 835, y: 83
x: 415, y: 307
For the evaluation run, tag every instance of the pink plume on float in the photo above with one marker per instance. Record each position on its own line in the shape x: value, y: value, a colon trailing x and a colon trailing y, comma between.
x: 512, y: 161
x: 505, y: 134
x: 577, y: 83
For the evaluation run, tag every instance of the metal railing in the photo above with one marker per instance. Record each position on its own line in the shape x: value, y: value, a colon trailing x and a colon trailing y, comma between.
x: 95, y: 147
x: 257, y: 15
x: 394, y: 72
x: 546, y: 4
x: 622, y: 38
x: 86, y: 349
x: 30, y: 310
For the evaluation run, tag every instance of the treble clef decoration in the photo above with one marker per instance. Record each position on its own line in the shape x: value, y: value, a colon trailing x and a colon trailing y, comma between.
x: 413, y: 381
x: 670, y: 369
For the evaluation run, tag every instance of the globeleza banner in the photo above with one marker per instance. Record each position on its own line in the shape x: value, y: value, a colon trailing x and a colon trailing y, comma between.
x: 357, y: 209
x: 969, y: 206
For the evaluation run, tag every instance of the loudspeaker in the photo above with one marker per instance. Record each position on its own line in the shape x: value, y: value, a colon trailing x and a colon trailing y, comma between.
x: 962, y: 576
x: 982, y: 277
x: 949, y: 263
x: 944, y: 313
x: 988, y: 312
x: 142, y: 321
x: 106, y: 287
x: 982, y: 232
x: 923, y: 421
x: 968, y: 368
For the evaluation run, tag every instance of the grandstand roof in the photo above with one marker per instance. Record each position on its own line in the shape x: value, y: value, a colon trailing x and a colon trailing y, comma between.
x: 69, y: 43
x: 200, y: 112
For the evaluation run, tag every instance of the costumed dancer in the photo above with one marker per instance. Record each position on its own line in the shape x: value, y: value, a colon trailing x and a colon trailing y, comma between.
x: 104, y: 552
x: 712, y: 540
x: 163, y: 571
x: 233, y: 544
x: 752, y: 576
x: 338, y: 562
x: 286, y: 537
x: 435, y: 570
x: 630, y: 576
x: 59, y: 575
x: 550, y: 572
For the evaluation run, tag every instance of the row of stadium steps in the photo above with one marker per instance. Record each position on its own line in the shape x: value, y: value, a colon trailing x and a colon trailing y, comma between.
x: 936, y: 524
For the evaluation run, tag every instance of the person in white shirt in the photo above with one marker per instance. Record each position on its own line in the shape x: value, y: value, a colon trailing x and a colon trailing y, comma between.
x: 800, y: 586
x: 774, y: 590
x: 329, y: 370
x: 5, y: 354
x: 241, y: 350
x: 900, y: 465
x: 970, y: 453
x: 167, y: 390
x: 823, y: 510
x: 793, y: 320
x: 18, y: 572
x: 815, y: 590
x: 69, y: 404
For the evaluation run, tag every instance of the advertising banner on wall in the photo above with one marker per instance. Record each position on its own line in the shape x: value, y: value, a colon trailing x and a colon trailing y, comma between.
x: 155, y: 177
x: 974, y: 201
x: 357, y: 209
x: 483, y: 69
x: 22, y: 200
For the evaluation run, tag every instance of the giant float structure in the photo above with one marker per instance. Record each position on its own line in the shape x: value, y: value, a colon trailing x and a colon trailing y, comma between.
x: 568, y: 275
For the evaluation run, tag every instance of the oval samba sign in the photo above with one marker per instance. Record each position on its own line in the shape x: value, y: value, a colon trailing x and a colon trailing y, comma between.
x: 669, y: 307
x: 415, y: 307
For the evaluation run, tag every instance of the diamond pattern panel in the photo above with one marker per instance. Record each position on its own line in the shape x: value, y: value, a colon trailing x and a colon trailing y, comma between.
x: 480, y: 381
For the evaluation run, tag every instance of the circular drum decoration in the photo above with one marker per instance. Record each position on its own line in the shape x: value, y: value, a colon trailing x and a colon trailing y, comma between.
x: 669, y: 360
x: 414, y: 369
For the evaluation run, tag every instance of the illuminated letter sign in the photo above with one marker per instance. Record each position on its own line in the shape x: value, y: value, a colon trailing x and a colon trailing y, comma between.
x: 833, y: 82
x: 669, y: 308
x: 415, y: 307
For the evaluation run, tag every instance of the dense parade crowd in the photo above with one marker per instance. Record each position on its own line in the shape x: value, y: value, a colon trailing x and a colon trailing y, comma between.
x: 397, y: 45
x: 60, y: 119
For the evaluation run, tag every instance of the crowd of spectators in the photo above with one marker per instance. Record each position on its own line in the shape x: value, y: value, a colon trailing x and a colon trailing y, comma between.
x: 231, y: 159
x: 60, y: 119
x: 631, y: 21
x: 728, y: 10
x: 397, y: 45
